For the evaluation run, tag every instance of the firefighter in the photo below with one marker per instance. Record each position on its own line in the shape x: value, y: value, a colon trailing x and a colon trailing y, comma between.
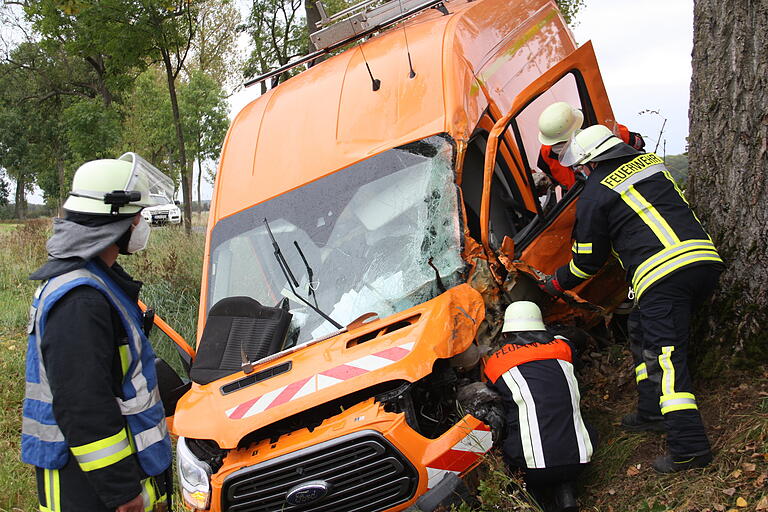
x: 631, y: 207
x: 93, y: 423
x: 546, y: 436
x: 556, y: 125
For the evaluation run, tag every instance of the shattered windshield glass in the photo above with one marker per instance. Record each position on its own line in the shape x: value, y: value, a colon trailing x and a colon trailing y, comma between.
x: 367, y: 232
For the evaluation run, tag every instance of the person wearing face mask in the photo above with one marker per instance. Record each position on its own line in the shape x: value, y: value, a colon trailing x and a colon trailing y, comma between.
x: 93, y: 422
x: 632, y: 207
x: 557, y: 123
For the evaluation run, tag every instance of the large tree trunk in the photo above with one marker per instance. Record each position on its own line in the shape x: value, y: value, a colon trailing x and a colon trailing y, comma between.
x: 186, y: 176
x: 19, y: 209
x: 729, y: 165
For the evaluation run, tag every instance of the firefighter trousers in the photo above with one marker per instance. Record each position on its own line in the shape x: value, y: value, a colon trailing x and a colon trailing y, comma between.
x: 665, y: 312
x: 647, y: 394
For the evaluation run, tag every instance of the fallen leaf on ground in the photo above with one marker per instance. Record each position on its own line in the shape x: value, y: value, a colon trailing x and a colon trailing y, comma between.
x: 720, y: 508
x: 762, y: 504
x: 761, y: 479
x: 741, y: 502
x: 611, y: 491
x: 632, y: 471
x: 730, y: 491
x: 749, y: 466
x: 736, y: 474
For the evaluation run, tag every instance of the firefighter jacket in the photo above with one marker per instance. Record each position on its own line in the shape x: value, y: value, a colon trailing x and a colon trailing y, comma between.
x: 548, y: 159
x: 91, y: 392
x: 631, y: 207
x: 534, y: 374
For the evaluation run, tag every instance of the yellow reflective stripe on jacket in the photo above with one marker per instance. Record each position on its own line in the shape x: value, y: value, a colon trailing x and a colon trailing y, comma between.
x: 641, y: 372
x: 52, y: 491
x: 125, y: 358
x: 677, y: 402
x: 651, y: 216
x: 582, y: 248
x: 102, y: 453
x: 616, y: 255
x: 687, y: 258
x: 669, y: 253
x: 578, y: 272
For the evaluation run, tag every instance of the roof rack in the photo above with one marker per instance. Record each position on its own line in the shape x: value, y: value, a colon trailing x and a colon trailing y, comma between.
x: 355, y: 22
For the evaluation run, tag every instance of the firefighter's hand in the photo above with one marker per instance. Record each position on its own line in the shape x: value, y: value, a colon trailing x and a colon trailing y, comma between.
x: 484, y: 404
x: 636, y: 141
x: 551, y: 286
x: 135, y: 505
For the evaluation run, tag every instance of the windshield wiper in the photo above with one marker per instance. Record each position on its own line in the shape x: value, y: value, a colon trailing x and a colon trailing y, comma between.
x: 292, y: 283
x: 310, y: 273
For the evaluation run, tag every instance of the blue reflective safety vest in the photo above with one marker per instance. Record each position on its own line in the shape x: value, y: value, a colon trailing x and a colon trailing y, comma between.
x: 42, y: 442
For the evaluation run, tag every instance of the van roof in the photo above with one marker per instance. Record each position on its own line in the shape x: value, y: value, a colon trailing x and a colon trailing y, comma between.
x: 328, y: 117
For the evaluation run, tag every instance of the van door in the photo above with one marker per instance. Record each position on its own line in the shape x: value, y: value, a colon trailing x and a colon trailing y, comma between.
x: 545, y: 242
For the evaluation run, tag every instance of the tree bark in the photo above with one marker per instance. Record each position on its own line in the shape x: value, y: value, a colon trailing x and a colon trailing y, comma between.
x: 729, y: 160
x: 186, y: 176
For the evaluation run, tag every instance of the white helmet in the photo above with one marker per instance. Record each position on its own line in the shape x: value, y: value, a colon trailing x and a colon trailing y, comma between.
x: 558, y: 122
x: 522, y: 316
x: 112, y: 187
x: 588, y: 145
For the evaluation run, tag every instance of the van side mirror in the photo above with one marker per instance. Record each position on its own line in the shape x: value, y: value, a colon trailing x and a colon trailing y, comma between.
x: 177, y: 203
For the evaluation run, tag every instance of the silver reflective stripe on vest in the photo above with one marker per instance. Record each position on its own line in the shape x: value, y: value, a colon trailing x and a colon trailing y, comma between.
x: 46, y: 433
x: 150, y: 436
x: 37, y: 391
x: 646, y: 173
x: 139, y: 403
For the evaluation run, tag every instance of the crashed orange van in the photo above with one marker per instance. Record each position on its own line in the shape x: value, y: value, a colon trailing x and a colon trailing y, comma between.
x: 367, y: 230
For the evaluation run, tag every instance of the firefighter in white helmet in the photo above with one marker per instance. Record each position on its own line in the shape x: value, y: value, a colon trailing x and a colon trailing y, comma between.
x: 546, y: 436
x: 631, y: 205
x: 557, y: 123
x: 93, y: 424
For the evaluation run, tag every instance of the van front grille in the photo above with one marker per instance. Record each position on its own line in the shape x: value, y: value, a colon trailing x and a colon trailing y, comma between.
x: 363, y: 472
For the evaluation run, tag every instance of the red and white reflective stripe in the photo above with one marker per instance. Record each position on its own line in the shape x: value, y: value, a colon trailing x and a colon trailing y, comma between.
x: 461, y: 456
x: 322, y: 380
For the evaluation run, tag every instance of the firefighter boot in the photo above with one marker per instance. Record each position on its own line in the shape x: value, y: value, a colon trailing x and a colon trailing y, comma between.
x: 636, y: 422
x: 565, y: 499
x: 669, y: 464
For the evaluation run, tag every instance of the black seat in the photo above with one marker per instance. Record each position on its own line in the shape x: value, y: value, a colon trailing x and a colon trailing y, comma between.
x: 238, y: 328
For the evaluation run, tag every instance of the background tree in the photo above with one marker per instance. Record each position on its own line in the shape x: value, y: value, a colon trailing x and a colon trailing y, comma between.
x: 214, y: 47
x: 728, y: 151
x: 205, y: 120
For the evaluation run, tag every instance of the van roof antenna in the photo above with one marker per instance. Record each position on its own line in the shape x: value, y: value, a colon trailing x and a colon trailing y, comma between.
x: 412, y: 73
x: 366, y: 18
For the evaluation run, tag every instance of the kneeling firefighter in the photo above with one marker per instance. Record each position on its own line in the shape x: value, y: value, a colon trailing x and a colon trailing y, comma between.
x: 546, y: 436
x: 93, y: 423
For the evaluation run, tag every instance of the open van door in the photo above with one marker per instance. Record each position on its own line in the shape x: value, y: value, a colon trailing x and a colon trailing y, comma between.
x: 544, y: 243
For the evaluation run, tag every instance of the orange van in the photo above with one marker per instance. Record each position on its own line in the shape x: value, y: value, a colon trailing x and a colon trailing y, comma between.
x: 371, y: 218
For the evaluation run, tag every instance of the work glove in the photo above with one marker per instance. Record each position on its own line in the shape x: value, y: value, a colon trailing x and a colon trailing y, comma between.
x: 636, y: 141
x: 484, y: 404
x: 551, y: 286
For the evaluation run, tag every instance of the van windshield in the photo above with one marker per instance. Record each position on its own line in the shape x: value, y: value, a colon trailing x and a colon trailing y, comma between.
x: 368, y: 233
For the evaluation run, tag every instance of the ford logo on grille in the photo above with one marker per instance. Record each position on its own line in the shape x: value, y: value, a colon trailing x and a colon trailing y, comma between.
x: 307, y: 492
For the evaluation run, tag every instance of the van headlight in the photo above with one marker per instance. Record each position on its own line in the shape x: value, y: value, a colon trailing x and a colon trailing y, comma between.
x: 194, y: 477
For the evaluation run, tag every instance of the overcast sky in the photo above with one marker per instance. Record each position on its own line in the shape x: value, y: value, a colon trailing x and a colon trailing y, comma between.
x: 644, y: 51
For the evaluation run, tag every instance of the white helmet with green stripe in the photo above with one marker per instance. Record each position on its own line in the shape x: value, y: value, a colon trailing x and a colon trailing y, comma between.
x: 116, y: 186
